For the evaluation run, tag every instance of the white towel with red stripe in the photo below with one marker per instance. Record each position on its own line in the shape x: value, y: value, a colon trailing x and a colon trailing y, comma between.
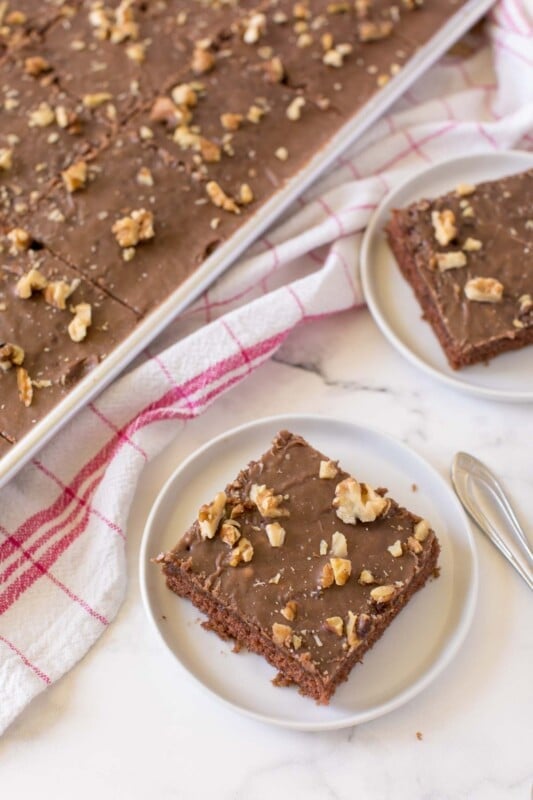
x: 62, y: 519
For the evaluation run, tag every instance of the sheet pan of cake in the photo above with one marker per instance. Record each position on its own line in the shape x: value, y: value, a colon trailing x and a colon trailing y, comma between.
x: 167, y: 142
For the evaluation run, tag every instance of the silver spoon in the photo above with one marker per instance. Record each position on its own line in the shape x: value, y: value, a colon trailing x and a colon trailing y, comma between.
x: 485, y: 500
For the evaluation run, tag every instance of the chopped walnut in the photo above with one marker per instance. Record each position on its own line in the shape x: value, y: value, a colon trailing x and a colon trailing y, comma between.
x: 274, y: 70
x: 11, y: 355
x: 444, y: 226
x: 327, y: 470
x: 342, y: 569
x: 268, y: 503
x: 32, y: 281
x: 243, y: 551
x: 6, y: 158
x: 276, y: 534
x: 465, y: 189
x: 282, y: 154
x: 210, y: 515
x: 358, y: 501
x: 454, y: 259
x: 145, y: 177
x: 351, y: 631
x: 202, y: 61
x: 210, y: 151
x: 96, y: 100
x: 281, y: 634
x: 220, y: 199
x: 471, y: 245
x: 136, y: 52
x: 366, y: 578
x: 19, y: 240
x: 165, y: 110
x: 255, y: 28
x: 525, y: 303
x: 339, y: 545
x: 335, y: 625
x: 36, y: 65
x: 290, y: 610
x: 42, y: 116
x: 327, y: 577
x: 296, y: 642
x: 275, y: 579
x: 414, y: 545
x: 25, y: 386
x: 229, y: 532
x: 323, y: 547
x: 396, y: 549
x: 231, y: 122
x: 255, y: 114
x: 294, y: 109
x: 484, y: 290
x: 184, y: 95
x: 383, y: 594
x: 246, y: 195
x: 75, y: 176
x: 135, y: 228
x: 373, y: 31
x: 421, y: 530
x: 77, y: 329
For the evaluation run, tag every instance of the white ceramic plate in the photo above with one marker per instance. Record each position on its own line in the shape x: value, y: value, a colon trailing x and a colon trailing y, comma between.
x: 420, y: 642
x: 394, y: 307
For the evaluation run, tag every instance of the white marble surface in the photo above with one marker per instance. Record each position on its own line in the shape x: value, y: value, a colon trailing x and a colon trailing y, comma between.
x: 126, y: 723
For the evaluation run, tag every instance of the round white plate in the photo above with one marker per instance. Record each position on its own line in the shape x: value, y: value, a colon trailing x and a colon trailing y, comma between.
x: 420, y: 642
x: 392, y: 302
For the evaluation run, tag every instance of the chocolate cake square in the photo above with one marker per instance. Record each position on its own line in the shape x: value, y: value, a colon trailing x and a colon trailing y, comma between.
x: 468, y: 256
x: 301, y: 563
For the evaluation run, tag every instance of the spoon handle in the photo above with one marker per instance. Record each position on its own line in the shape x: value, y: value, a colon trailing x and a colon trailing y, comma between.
x: 485, y: 500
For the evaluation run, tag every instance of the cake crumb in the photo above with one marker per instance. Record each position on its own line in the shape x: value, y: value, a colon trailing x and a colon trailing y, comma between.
x: 414, y: 487
x: 419, y: 736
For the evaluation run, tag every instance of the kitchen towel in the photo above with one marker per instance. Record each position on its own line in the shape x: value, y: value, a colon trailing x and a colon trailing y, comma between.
x: 63, y: 518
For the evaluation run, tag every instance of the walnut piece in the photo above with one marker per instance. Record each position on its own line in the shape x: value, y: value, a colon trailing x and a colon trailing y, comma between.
x: 383, y: 594
x: 231, y: 122
x: 471, y: 245
x: 6, y: 158
x: 366, y: 578
x: 342, y: 569
x: 210, y: 514
x: 335, y: 625
x: 327, y: 470
x: 19, y: 240
x: 358, y: 501
x: 229, y: 532
x: 25, y: 387
x: 465, y: 189
x: 484, y: 290
x: 42, y: 116
x: 36, y: 65
x: 454, y: 259
x: 202, y: 61
x: 351, y: 632
x: 294, y: 109
x: 184, y: 95
x: 255, y: 28
x: 11, y: 355
x: 323, y: 547
x: 281, y: 634
x: 243, y: 551
x: 339, y: 546
x: 421, y: 530
x: 220, y: 199
x: 97, y: 99
x: 373, y: 31
x: 276, y: 534
x: 396, y: 549
x: 246, y: 195
x: 32, y: 281
x: 268, y: 503
x: 135, y: 228
x: 77, y: 329
x: 444, y: 226
x: 290, y: 610
x: 414, y: 546
x: 327, y: 577
x: 274, y: 70
x: 75, y: 176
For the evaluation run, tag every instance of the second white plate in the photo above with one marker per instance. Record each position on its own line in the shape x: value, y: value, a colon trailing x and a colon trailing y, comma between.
x: 419, y: 643
x: 394, y: 307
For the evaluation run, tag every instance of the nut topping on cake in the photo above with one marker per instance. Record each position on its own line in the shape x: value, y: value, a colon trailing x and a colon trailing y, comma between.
x: 276, y: 534
x: 6, y: 158
x: 444, y: 226
x: 484, y: 290
x: 383, y: 594
x: 342, y: 569
x: 231, y: 122
x: 202, y: 61
x: 339, y: 546
x: 10, y: 355
x: 25, y: 387
x: 243, y: 551
x: 75, y: 176
x: 421, y: 530
x: 135, y: 228
x: 358, y: 501
x: 19, y: 240
x: 32, y: 281
x: 229, y: 532
x: 290, y: 610
x: 268, y: 503
x: 327, y: 577
x: 220, y: 199
x: 335, y: 625
x: 454, y: 259
x: 294, y: 109
x: 465, y: 189
x: 396, y: 549
x: 366, y: 578
x: 414, y: 545
x: 327, y: 470
x: 471, y: 244
x: 281, y: 634
x: 210, y: 515
x: 373, y: 31
x: 351, y: 634
x: 77, y: 330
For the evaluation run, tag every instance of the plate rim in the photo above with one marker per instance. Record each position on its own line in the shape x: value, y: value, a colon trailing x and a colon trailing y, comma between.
x: 373, y: 231
x: 446, y: 655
